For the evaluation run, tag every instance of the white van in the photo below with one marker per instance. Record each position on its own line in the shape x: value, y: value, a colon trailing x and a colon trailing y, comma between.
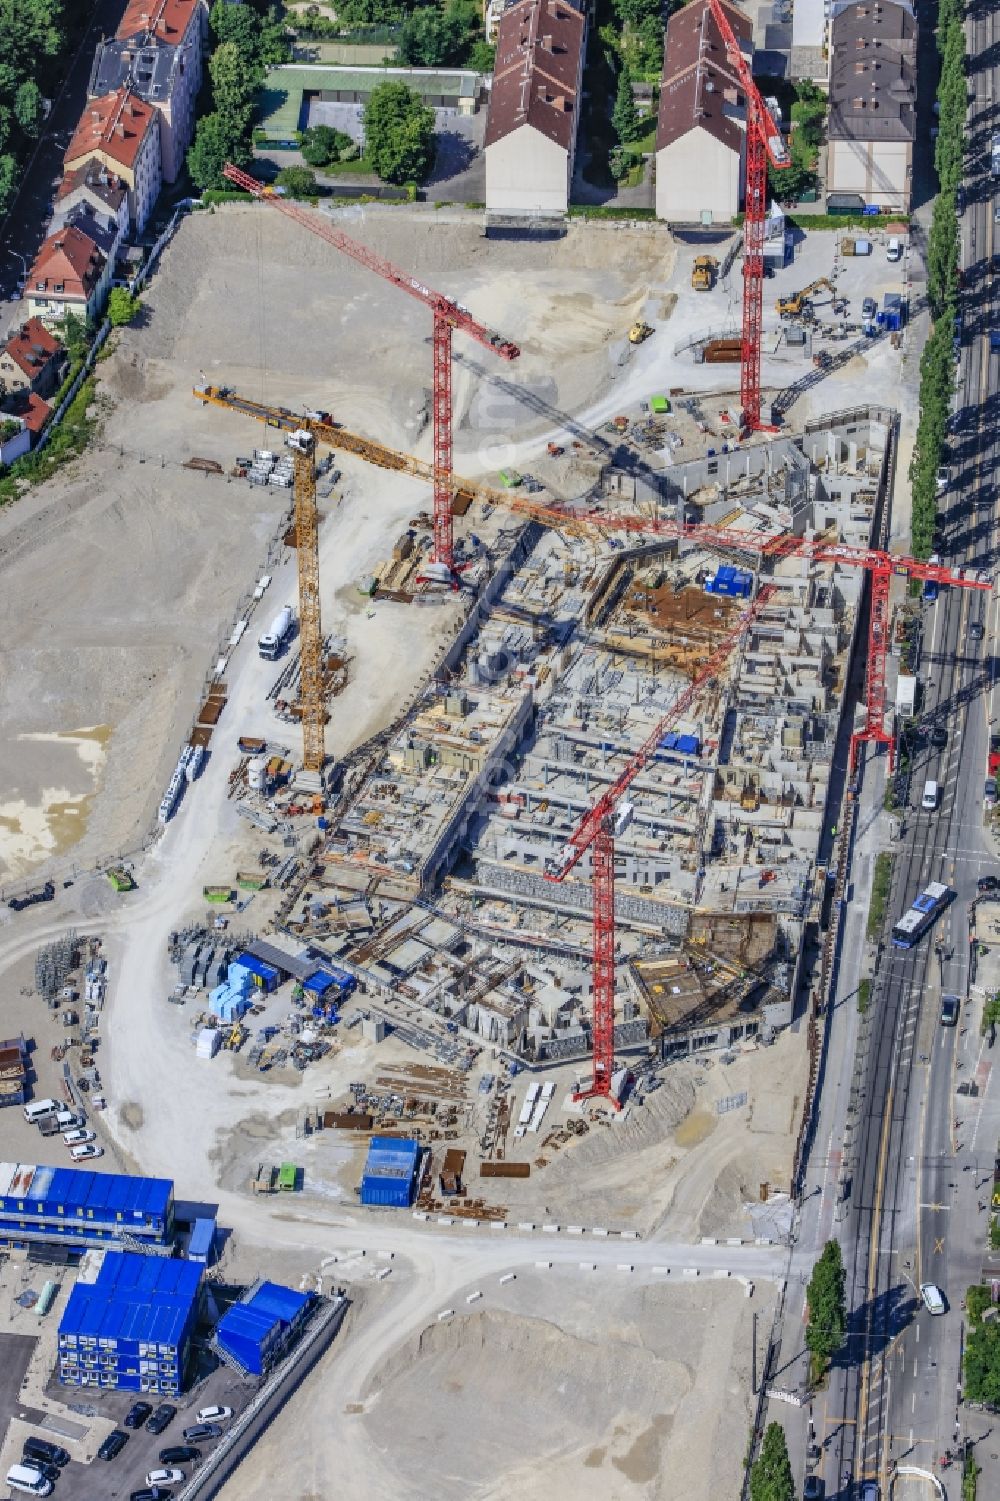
x: 39, y: 1108
x: 929, y: 801
x: 932, y: 1296
x: 68, y: 1120
x: 894, y: 250
x: 27, y: 1478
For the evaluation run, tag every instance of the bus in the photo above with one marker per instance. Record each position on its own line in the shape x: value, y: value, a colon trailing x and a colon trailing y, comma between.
x: 926, y: 909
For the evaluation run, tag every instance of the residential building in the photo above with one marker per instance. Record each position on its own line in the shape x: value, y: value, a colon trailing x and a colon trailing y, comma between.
x: 68, y: 273
x: 131, y: 1328
x: 95, y: 185
x: 34, y: 413
x: 31, y: 360
x: 121, y: 131
x: 157, y: 55
x: 701, y: 125
x: 809, y: 51
x: 873, y: 103
x: 534, y: 109
x: 69, y: 1206
x: 103, y: 230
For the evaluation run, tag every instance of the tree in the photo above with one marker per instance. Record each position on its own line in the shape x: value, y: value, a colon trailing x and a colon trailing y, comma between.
x: 625, y: 116
x: 482, y: 57
x: 298, y: 182
x: 216, y: 142
x: 982, y: 1363
x: 321, y: 145
x: 399, y: 133
x: 233, y: 82
x: 771, y: 1473
x: 235, y: 23
x: 75, y: 335
x: 123, y: 307
x: 29, y: 107
x: 827, y: 1303
x: 8, y: 181
x: 431, y: 37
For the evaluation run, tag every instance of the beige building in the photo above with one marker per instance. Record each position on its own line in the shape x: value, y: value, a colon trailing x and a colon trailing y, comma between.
x: 534, y: 109
x: 121, y: 131
x: 873, y: 99
x: 701, y: 123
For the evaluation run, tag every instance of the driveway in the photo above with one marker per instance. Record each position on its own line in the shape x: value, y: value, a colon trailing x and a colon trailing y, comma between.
x: 459, y: 173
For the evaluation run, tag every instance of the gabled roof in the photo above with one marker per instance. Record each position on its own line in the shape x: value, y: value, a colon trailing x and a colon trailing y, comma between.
x: 149, y: 68
x: 873, y: 75
x: 98, y: 181
x: 536, y: 70
x: 33, y: 411
x: 117, y: 125
x: 699, y: 88
x: 31, y: 347
x: 166, y: 20
x: 68, y: 263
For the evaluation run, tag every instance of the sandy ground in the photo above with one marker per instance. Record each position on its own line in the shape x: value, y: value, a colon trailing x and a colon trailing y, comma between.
x: 572, y: 1384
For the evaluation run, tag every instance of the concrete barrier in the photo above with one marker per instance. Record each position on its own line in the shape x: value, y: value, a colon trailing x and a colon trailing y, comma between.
x: 474, y: 1297
x: 550, y: 1229
x: 720, y: 1273
x: 523, y: 1225
x: 498, y: 1224
x: 598, y: 1230
x: 381, y: 1275
x: 508, y: 1277
x: 446, y: 1313
x: 545, y: 1266
x: 588, y: 1266
x: 691, y: 1271
x: 625, y: 1266
x: 709, y: 1240
x: 471, y: 1224
x: 445, y: 1219
x: 419, y: 1214
x: 574, y: 1229
x: 663, y: 1271
x: 386, y: 1255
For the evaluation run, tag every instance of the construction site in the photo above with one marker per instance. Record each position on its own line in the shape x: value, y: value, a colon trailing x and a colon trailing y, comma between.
x: 444, y: 692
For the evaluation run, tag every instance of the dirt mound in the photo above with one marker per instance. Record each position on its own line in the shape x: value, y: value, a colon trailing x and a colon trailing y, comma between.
x: 499, y: 1404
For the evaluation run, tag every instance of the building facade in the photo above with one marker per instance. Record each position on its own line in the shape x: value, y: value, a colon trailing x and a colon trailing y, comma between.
x: 256, y: 1332
x: 534, y: 112
x: 701, y: 123
x: 121, y: 132
x: 873, y: 103
x: 391, y: 1171
x: 131, y: 1329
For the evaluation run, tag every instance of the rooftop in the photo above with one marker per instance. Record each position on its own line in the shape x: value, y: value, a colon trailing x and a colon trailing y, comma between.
x: 536, y: 71
x: 84, y: 1193
x: 165, y: 20
x: 135, y: 1297
x: 94, y: 177
x: 391, y: 1157
x: 116, y: 125
x: 30, y: 407
x: 31, y: 347
x: 699, y: 89
x: 873, y: 78
x: 149, y: 68
x: 68, y: 263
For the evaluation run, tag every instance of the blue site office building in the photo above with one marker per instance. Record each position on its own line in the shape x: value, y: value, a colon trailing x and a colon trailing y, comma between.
x: 79, y: 1209
x: 256, y: 1332
x: 391, y: 1172
x: 131, y: 1329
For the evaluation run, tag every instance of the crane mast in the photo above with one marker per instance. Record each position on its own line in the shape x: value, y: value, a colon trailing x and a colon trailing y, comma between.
x: 764, y: 144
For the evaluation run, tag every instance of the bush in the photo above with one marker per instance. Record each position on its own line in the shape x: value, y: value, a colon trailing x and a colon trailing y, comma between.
x: 298, y: 182
x: 123, y: 307
x: 321, y: 145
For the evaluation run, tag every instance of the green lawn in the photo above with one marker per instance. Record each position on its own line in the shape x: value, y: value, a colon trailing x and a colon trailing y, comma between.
x: 881, y: 882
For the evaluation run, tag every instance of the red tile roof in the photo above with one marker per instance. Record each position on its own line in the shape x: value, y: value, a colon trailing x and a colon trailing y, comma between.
x: 167, y: 20
x: 32, y: 408
x: 68, y: 264
x: 536, y: 70
x: 116, y: 125
x: 698, y: 79
x: 32, y: 346
x: 96, y: 177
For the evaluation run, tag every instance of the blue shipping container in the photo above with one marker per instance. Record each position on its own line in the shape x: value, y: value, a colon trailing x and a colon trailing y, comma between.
x: 390, y: 1175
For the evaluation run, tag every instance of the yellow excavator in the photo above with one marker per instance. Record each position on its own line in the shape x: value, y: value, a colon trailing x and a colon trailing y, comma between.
x: 703, y: 273
x: 789, y: 307
x: 639, y: 332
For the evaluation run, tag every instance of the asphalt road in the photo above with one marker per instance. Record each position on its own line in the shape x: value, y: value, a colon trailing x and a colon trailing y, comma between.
x: 914, y: 1210
x: 24, y: 228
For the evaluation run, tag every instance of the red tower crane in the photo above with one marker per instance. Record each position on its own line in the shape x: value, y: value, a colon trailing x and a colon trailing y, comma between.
x: 448, y: 315
x: 596, y: 832
x: 764, y: 144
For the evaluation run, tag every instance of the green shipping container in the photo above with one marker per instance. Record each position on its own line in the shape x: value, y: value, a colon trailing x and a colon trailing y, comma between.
x: 510, y: 479
x: 659, y: 404
x: 288, y: 1176
x: 217, y: 893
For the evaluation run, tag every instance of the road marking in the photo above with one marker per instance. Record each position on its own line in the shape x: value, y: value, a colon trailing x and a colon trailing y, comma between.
x: 933, y: 1206
x: 939, y: 1247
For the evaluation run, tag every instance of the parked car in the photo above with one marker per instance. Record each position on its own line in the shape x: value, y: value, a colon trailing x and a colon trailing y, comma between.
x: 151, y: 1493
x: 976, y: 630
x: 113, y: 1444
x: 214, y: 1414
x: 179, y: 1454
x: 163, y: 1415
x: 86, y: 1151
x: 951, y: 1008
x: 814, y: 1488
x: 199, y: 1431
x: 942, y: 477
x: 137, y: 1414
x: 939, y: 737
x: 41, y: 1448
x: 988, y: 883
x: 78, y: 1136
x: 164, y: 1477
x: 51, y: 1472
x: 990, y: 792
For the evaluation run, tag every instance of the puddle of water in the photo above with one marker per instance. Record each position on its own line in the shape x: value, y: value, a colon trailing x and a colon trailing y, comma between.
x: 51, y: 793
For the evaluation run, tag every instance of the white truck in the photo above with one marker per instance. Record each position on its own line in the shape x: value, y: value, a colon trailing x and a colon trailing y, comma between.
x: 272, y: 643
x: 995, y: 155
